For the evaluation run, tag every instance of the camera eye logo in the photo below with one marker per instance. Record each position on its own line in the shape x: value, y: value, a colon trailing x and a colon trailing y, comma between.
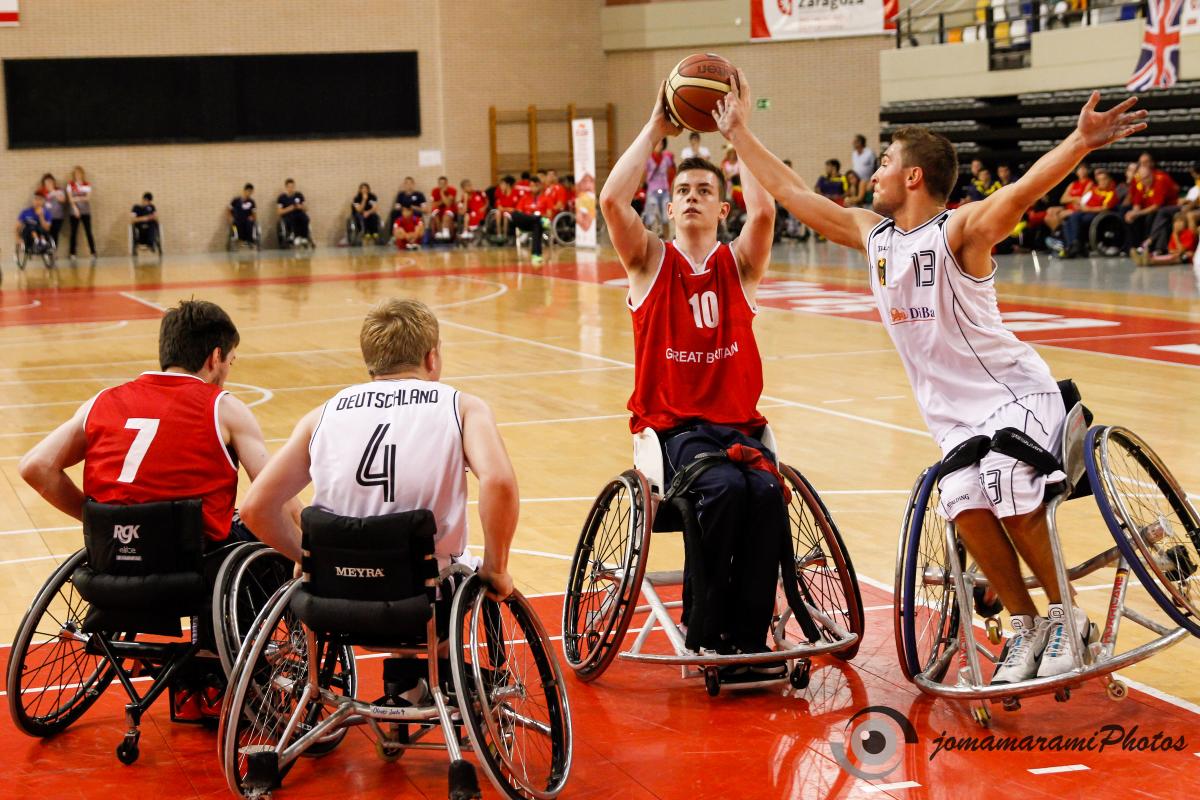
x: 873, y: 743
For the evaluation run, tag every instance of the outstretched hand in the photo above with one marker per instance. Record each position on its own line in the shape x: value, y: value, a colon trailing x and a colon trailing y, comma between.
x: 663, y: 124
x: 733, y: 110
x: 1100, y: 129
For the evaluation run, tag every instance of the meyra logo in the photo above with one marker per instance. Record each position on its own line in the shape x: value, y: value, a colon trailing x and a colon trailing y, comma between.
x: 358, y: 572
x: 915, y: 314
x: 125, y: 533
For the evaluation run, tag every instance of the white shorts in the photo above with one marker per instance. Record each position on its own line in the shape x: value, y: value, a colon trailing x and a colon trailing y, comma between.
x: 1000, y: 483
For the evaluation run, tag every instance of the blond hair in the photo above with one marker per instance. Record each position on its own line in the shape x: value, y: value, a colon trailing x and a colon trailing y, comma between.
x: 397, y: 334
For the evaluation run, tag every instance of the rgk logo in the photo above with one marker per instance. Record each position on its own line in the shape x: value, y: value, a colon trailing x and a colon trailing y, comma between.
x: 125, y: 533
x: 358, y: 572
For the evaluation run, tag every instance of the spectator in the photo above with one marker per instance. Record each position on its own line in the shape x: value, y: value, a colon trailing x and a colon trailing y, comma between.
x: 408, y: 230
x: 363, y: 209
x: 568, y: 184
x: 524, y: 185
x: 1068, y: 204
x: 525, y: 218
x: 694, y: 149
x: 145, y: 219
x: 442, y: 201
x: 553, y: 198
x: 660, y: 174
x: 729, y: 168
x: 506, y: 204
x: 863, y: 162
x: 79, y: 198
x: 1004, y: 175
x: 1191, y: 204
x: 243, y: 213
x: 856, y: 190
x: 1181, y: 247
x: 1100, y: 197
x: 56, y: 201
x: 1164, y: 218
x: 293, y: 211
x: 409, y: 196
x: 33, y: 224
x: 833, y: 184
x: 982, y: 186
x: 472, y: 207
x: 1152, y: 190
x: 1123, y: 189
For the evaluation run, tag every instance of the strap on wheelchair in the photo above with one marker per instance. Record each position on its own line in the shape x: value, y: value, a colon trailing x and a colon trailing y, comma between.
x: 964, y: 455
x: 1016, y: 444
x: 748, y: 457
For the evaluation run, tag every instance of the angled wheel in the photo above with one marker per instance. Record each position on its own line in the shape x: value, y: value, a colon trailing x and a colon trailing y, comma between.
x: 606, y: 575
x: 511, y: 693
x: 50, y: 253
x: 21, y: 254
x: 1151, y: 519
x: 244, y: 585
x: 563, y: 228
x: 52, y: 678
x: 158, y: 240
x: 927, y: 618
x: 823, y: 565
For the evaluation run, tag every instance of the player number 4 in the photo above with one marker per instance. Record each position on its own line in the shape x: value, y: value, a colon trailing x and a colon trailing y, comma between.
x: 146, y: 430
x: 704, y: 309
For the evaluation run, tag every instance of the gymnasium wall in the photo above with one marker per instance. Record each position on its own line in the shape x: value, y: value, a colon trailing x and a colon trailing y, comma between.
x: 548, y: 57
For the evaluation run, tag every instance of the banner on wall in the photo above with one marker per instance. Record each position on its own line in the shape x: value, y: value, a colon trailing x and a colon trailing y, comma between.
x: 772, y: 20
x: 9, y: 14
x: 1191, y: 16
x: 1158, y: 63
x: 583, y: 134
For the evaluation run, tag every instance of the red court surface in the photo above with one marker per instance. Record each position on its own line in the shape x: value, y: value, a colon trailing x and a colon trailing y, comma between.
x: 643, y: 732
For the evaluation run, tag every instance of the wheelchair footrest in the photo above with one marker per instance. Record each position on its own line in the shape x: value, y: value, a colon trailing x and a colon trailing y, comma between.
x: 464, y: 783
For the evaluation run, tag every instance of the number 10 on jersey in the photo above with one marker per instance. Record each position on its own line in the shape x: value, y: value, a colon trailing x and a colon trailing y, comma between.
x: 704, y: 309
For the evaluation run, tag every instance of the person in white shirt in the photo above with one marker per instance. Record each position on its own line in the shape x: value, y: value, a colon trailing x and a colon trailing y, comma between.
x: 398, y: 442
x: 695, y: 150
x: 862, y: 159
x: 932, y: 277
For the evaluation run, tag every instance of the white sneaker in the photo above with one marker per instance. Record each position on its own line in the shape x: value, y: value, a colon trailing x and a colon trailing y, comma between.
x: 1019, y: 659
x: 1059, y: 658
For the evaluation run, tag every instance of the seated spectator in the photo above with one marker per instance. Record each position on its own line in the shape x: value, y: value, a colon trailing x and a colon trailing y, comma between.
x: 145, y: 219
x: 1004, y: 175
x: 293, y: 212
x: 506, y: 204
x: 729, y: 168
x: 1164, y: 219
x: 33, y: 224
x: 833, y: 184
x: 1102, y: 196
x: 363, y: 209
x: 442, y: 212
x: 1181, y: 247
x: 1152, y: 190
x: 1068, y: 204
x: 1123, y: 189
x: 568, y: 184
x: 983, y: 185
x: 409, y: 196
x: 472, y: 207
x: 525, y: 218
x: 856, y: 190
x: 243, y: 212
x: 552, y: 200
x: 56, y: 203
x: 694, y: 149
x: 408, y: 231
x: 1191, y: 203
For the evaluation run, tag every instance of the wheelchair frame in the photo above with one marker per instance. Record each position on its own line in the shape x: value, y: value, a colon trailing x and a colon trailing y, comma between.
x: 646, y: 480
x: 266, y: 764
x: 48, y: 252
x: 288, y: 240
x: 135, y: 246
x: 955, y: 639
x: 235, y: 242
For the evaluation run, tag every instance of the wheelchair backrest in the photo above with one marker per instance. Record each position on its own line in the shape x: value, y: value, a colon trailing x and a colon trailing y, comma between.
x: 389, y: 557
x: 144, y: 539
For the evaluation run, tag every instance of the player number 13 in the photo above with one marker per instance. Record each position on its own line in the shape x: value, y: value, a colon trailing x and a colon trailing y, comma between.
x: 704, y: 309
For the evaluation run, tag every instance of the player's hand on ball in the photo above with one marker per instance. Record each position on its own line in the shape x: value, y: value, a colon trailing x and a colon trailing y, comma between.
x: 1098, y: 129
x: 499, y: 583
x: 662, y: 122
x: 733, y: 110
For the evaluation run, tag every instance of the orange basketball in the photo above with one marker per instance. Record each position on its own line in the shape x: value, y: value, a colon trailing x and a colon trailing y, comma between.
x: 693, y: 89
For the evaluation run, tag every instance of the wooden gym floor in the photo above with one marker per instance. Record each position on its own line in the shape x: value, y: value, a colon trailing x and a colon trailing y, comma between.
x: 550, y: 349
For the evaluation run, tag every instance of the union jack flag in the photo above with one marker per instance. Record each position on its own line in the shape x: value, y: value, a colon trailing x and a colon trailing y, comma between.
x: 1158, y: 65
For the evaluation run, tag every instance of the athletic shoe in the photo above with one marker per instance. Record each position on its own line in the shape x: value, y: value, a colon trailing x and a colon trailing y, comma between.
x: 537, y: 260
x: 546, y: 223
x: 1140, y: 256
x: 414, y: 246
x: 1019, y: 659
x: 1058, y: 657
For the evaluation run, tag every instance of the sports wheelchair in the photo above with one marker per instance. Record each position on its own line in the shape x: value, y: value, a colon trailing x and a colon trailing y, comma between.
x: 608, y: 573
x: 147, y: 235
x: 235, y: 241
x: 1157, y: 534
x: 112, y: 611
x: 288, y: 239
x: 1106, y: 233
x: 43, y: 246
x: 455, y: 660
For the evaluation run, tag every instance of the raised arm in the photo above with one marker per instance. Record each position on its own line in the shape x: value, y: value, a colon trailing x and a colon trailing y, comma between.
x: 976, y: 228
x: 753, y: 245
x: 636, y: 246
x: 499, y: 500
x: 846, y: 226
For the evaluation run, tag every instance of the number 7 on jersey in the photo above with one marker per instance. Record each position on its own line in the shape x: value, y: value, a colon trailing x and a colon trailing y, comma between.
x: 146, y: 431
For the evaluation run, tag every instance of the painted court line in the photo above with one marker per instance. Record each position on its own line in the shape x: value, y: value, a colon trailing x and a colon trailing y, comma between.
x: 888, y: 787
x: 1056, y: 770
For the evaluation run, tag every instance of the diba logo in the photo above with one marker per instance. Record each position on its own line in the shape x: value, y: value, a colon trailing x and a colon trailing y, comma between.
x: 873, y: 742
x: 125, y: 533
x: 898, y: 315
x: 358, y: 572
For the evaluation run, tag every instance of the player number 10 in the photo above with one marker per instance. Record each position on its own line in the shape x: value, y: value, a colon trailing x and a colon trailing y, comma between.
x: 704, y: 309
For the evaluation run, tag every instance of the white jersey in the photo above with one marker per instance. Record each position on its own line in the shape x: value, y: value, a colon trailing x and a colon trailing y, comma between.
x: 962, y: 362
x: 389, y: 446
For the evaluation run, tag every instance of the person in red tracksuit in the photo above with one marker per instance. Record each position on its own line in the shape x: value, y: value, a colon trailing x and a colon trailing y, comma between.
x: 697, y: 381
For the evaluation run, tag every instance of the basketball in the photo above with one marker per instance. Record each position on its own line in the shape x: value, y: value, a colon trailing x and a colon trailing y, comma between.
x: 693, y: 89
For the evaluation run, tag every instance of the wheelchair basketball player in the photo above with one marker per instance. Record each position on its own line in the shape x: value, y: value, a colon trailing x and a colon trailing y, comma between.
x: 697, y: 381
x: 932, y: 278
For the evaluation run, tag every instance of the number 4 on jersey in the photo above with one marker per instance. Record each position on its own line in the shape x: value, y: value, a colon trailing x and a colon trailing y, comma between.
x: 386, y: 476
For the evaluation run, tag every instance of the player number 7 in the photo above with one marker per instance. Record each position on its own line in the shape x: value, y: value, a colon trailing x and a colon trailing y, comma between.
x: 146, y: 430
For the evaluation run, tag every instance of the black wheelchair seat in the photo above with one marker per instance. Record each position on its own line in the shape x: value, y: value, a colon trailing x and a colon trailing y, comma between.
x: 369, y: 581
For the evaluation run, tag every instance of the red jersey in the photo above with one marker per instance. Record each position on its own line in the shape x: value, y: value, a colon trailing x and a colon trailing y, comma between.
x: 526, y: 203
x: 443, y: 198
x: 1160, y: 191
x: 506, y: 200
x: 522, y: 188
x: 1184, y: 241
x: 477, y: 206
x: 552, y: 200
x: 407, y: 224
x: 694, y: 349
x: 158, y: 438
x: 1077, y: 190
x: 1097, y: 198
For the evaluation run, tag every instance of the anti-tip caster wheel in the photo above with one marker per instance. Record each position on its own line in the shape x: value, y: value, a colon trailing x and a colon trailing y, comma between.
x: 1062, y: 695
x: 995, y: 634
x: 800, y: 674
x: 981, y: 715
x: 1011, y: 703
x: 127, y: 750
x: 1117, y: 690
x: 712, y: 681
x: 387, y: 751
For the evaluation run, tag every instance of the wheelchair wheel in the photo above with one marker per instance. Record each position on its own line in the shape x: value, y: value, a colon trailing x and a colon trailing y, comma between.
x: 158, y: 241
x: 354, y: 235
x: 1151, y: 519
x: 927, y: 619
x: 282, y: 235
x: 52, y: 678
x: 606, y: 575
x: 823, y: 566
x: 563, y: 228
x: 21, y: 255
x: 1106, y: 232
x: 262, y: 709
x: 49, y: 254
x: 244, y: 586
x: 511, y: 693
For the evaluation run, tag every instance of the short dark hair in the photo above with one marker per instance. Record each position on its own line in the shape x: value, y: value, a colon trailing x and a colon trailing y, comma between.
x: 443, y: 178
x: 696, y: 162
x: 934, y: 154
x: 858, y: 137
x: 693, y: 135
x: 191, y: 331
x: 289, y: 180
x: 525, y: 175
x: 410, y: 178
x: 147, y: 196
x: 509, y: 179
x: 833, y: 162
x: 249, y: 186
